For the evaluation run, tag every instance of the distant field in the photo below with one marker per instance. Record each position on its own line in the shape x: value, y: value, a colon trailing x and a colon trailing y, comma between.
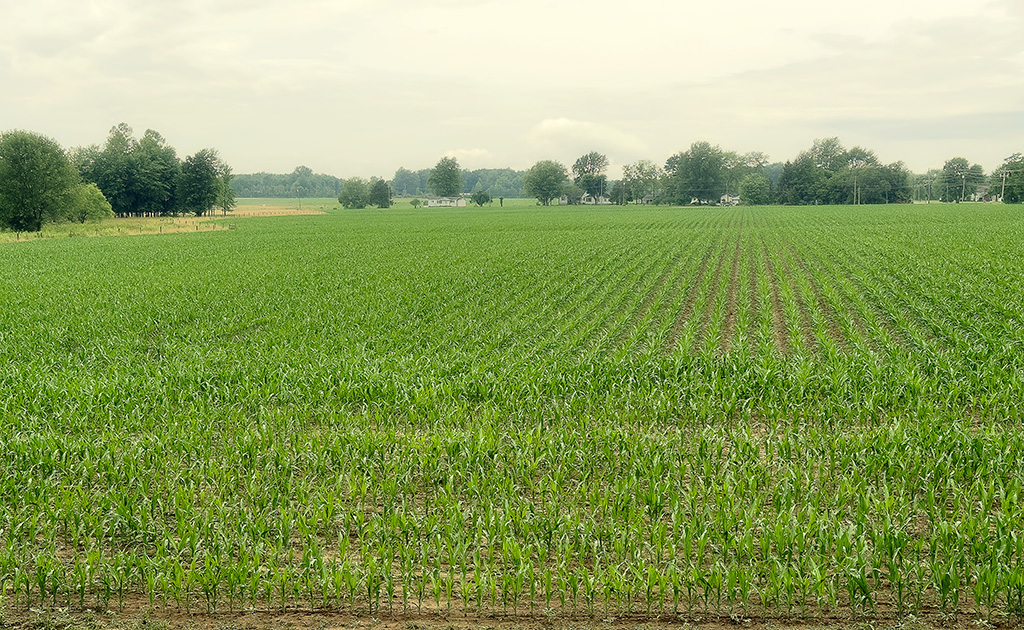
x: 556, y: 415
x: 247, y: 207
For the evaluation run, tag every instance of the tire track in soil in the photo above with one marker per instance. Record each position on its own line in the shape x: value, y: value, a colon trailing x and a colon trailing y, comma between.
x: 691, y: 296
x: 834, y: 330
x: 732, y: 303
x: 778, y: 313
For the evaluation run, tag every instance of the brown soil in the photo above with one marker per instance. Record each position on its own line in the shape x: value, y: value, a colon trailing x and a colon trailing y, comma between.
x: 263, y: 210
x: 138, y: 615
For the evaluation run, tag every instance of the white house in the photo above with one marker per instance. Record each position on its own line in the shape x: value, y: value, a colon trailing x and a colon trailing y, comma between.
x: 446, y: 202
x: 590, y: 200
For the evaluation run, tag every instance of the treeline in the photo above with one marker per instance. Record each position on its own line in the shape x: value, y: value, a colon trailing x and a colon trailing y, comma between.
x: 145, y: 177
x: 498, y: 182
x: 302, y: 182
x: 41, y: 182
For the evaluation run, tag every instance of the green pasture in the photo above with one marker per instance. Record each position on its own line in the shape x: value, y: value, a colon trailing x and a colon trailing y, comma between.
x: 546, y: 412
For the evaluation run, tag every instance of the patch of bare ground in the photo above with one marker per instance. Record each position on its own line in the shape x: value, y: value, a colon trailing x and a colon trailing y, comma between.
x: 266, y: 210
x: 732, y: 303
x: 137, y: 614
x: 691, y: 297
x: 778, y: 313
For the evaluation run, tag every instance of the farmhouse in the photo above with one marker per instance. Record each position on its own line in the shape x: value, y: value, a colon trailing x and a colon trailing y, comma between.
x: 446, y: 202
x: 591, y: 200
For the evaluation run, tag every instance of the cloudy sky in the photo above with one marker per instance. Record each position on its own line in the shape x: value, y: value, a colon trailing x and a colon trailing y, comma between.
x: 362, y: 87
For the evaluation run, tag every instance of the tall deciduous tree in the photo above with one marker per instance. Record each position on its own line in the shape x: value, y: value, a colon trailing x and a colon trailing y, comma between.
x: 200, y: 182
x: 156, y: 168
x: 354, y: 193
x: 642, y: 180
x: 544, y: 181
x: 36, y: 180
x: 960, y: 179
x: 87, y: 203
x: 446, y: 178
x: 1008, y: 179
x: 380, y: 194
x: 755, y: 190
x: 697, y: 174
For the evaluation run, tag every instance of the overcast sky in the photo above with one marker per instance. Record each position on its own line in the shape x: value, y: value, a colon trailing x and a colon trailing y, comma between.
x: 362, y: 87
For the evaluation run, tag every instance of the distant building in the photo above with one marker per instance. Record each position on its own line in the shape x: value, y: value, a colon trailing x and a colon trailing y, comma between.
x: 445, y: 202
x: 591, y: 200
x: 729, y: 200
x: 587, y: 200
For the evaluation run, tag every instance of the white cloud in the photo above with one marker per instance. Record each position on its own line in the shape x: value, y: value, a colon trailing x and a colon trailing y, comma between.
x: 565, y: 137
x: 364, y: 86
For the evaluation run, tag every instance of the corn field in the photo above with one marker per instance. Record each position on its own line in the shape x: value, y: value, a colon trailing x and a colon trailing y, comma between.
x: 769, y: 412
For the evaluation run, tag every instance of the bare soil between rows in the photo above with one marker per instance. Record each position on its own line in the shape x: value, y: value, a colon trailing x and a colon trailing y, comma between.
x: 138, y: 614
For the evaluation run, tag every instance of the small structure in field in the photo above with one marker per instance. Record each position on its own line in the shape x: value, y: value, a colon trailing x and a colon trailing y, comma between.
x: 446, y: 202
x: 729, y: 200
x: 595, y: 200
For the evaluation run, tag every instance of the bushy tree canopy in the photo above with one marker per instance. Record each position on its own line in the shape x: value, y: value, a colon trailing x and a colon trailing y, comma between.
x: 446, y: 178
x: 355, y: 193
x: 36, y: 181
x: 380, y: 194
x: 544, y: 181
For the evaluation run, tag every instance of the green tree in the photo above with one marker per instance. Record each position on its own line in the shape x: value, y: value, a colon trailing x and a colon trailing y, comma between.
x: 354, y: 193
x: 572, y: 193
x: 380, y: 194
x: 114, y: 170
x: 697, y: 174
x: 544, y: 181
x: 225, y: 192
x: 1008, y: 179
x: 960, y: 179
x: 406, y: 182
x: 87, y: 203
x: 642, y: 180
x: 481, y: 197
x: 415, y: 203
x: 36, y: 181
x: 446, y: 178
x: 200, y: 182
x: 800, y: 181
x: 828, y: 154
x: 592, y: 163
x: 755, y: 190
x: 155, y: 168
